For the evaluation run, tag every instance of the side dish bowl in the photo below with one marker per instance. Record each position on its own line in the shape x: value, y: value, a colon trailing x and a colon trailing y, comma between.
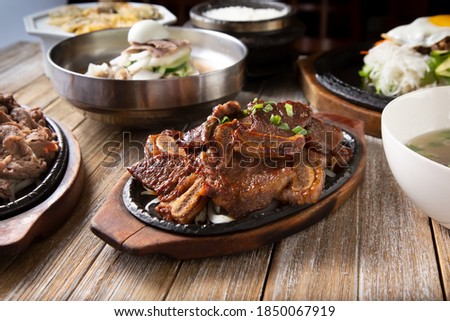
x: 142, y: 103
x: 36, y: 24
x: 425, y: 182
x: 200, y: 18
x: 270, y: 40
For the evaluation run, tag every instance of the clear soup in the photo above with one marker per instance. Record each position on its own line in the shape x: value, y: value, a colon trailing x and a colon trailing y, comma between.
x: 434, y: 145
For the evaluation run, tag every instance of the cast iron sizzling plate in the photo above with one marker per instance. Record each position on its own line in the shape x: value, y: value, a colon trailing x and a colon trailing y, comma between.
x: 135, y: 202
x: 337, y: 71
x: 31, y: 196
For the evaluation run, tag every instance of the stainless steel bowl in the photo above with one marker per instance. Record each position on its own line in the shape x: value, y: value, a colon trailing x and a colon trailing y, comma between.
x: 144, y: 103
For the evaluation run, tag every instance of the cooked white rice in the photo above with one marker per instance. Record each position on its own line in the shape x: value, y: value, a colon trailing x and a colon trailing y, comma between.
x: 241, y: 13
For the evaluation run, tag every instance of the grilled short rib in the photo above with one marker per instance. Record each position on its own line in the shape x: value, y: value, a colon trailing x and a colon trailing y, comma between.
x: 241, y: 159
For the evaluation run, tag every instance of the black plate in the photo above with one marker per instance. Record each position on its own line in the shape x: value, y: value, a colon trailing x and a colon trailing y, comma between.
x: 136, y: 202
x: 337, y: 71
x: 33, y: 195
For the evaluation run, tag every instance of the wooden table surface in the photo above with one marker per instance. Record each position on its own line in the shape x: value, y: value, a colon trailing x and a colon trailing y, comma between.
x: 377, y: 246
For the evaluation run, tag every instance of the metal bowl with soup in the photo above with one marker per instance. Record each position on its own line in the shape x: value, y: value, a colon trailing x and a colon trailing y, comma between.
x: 220, y: 59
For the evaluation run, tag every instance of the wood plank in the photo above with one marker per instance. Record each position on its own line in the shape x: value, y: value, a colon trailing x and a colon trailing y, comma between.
x: 134, y: 278
x: 395, y: 246
x: 298, y: 271
x: 60, y: 280
x: 442, y: 239
x: 319, y: 263
x: 21, y: 74
x: 32, y: 276
x: 160, y: 269
x: 63, y: 112
x: 378, y: 246
x: 363, y: 251
x: 160, y: 277
x: 18, y: 232
x: 18, y: 53
x: 146, y: 278
x: 39, y: 93
x: 280, y: 87
x: 5, y: 262
x: 241, y: 277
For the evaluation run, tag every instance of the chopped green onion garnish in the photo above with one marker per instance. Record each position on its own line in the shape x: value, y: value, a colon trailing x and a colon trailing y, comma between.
x: 289, y: 110
x: 284, y: 126
x: 414, y: 148
x: 299, y: 130
x: 275, y: 119
x: 267, y: 108
x: 255, y: 100
x: 245, y: 112
x: 256, y: 107
x: 225, y: 120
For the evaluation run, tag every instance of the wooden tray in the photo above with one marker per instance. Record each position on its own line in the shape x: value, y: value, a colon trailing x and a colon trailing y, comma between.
x: 18, y: 232
x: 324, y: 100
x: 117, y: 227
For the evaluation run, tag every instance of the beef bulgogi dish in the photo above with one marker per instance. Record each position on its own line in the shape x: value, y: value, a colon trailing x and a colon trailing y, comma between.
x: 240, y: 160
x: 27, y: 147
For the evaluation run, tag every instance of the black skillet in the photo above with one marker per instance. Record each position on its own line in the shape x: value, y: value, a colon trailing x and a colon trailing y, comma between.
x: 35, y: 194
x: 136, y: 202
x: 337, y: 71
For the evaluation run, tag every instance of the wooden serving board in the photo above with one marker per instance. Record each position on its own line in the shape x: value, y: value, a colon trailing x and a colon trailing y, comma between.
x: 18, y: 232
x: 117, y: 227
x: 324, y: 100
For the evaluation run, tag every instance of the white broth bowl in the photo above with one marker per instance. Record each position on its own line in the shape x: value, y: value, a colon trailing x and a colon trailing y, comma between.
x: 425, y: 182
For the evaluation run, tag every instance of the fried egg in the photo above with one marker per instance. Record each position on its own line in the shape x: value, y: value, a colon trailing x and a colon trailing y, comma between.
x: 424, y: 31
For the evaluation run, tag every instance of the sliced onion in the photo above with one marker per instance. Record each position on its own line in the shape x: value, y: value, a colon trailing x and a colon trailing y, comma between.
x: 139, y: 55
x: 156, y: 200
x: 148, y: 191
x: 329, y: 172
x: 121, y: 60
x: 17, y: 186
x: 201, y: 217
x: 216, y: 218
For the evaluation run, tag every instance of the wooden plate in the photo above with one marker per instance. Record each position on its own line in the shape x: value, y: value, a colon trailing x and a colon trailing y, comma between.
x: 19, y: 231
x: 139, y: 203
x: 324, y: 100
x: 114, y: 224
